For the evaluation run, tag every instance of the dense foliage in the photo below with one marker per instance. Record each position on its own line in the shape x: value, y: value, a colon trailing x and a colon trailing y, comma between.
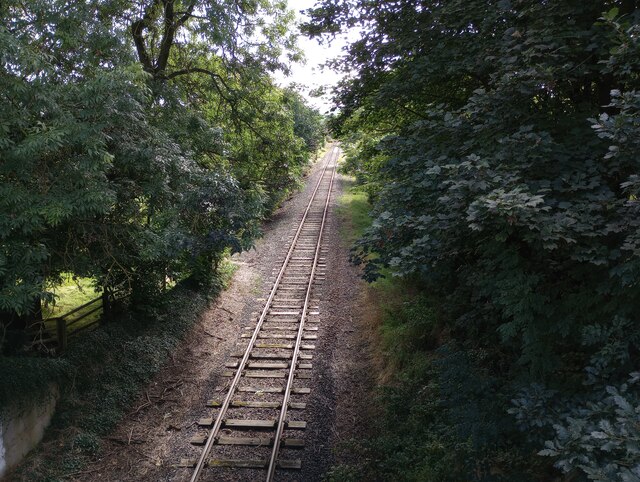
x: 499, y: 143
x: 139, y: 141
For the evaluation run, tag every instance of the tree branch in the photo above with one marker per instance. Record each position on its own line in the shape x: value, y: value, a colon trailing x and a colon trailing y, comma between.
x: 229, y: 100
x: 137, y: 31
x: 171, y: 26
x: 186, y: 15
x: 167, y: 37
x: 199, y: 70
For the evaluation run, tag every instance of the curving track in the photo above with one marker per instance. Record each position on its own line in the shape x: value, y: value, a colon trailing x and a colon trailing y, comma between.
x: 257, y: 425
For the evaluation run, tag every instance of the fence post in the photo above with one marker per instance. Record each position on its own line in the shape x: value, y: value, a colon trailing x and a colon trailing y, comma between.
x: 106, y: 304
x: 61, y: 327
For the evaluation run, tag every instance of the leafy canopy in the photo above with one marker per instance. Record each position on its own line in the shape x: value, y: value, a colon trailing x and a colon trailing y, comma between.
x: 140, y: 141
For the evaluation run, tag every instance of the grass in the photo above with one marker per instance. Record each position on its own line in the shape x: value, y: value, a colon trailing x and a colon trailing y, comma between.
x: 226, y: 270
x: 320, y: 152
x: 353, y: 209
x: 69, y: 295
x: 73, y: 292
x: 397, y: 320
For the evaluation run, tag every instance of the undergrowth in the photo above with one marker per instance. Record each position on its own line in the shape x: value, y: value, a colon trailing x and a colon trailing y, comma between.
x: 443, y: 409
x: 25, y: 381
x: 99, y: 377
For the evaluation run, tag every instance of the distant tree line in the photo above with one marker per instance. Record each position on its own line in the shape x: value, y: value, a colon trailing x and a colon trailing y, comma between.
x: 139, y: 141
x: 499, y: 142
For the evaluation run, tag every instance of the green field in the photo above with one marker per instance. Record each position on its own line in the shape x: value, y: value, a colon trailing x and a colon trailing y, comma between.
x: 72, y: 293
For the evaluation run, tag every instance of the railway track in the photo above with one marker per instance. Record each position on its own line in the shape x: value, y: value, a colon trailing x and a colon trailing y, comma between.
x: 257, y: 424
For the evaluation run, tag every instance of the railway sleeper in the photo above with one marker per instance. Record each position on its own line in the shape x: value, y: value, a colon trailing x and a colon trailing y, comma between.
x: 244, y: 463
x: 314, y: 310
x: 265, y: 374
x: 286, y: 346
x: 281, y: 320
x: 254, y: 404
x: 290, y: 443
x: 292, y: 289
x: 269, y: 366
x: 273, y: 356
x: 301, y: 275
x: 279, y: 336
x: 242, y: 424
x: 292, y: 327
x: 312, y: 301
x: 259, y: 390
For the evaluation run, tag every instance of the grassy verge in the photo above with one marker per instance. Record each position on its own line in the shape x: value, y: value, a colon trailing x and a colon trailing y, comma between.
x: 321, y: 151
x: 353, y: 209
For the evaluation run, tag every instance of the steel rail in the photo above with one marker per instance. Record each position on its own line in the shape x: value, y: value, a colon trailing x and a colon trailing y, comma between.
x: 213, y: 434
x: 273, y: 460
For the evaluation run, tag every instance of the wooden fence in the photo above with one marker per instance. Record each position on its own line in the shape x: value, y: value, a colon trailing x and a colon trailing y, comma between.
x: 71, y: 323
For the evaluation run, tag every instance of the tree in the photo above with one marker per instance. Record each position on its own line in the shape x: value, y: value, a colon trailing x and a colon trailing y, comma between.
x: 91, y: 186
x: 113, y: 165
x: 499, y: 185
x: 307, y: 122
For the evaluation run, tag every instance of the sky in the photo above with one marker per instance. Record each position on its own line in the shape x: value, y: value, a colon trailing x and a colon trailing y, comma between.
x: 312, y: 75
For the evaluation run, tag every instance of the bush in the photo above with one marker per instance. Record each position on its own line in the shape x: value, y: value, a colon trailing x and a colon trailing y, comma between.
x: 505, y: 181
